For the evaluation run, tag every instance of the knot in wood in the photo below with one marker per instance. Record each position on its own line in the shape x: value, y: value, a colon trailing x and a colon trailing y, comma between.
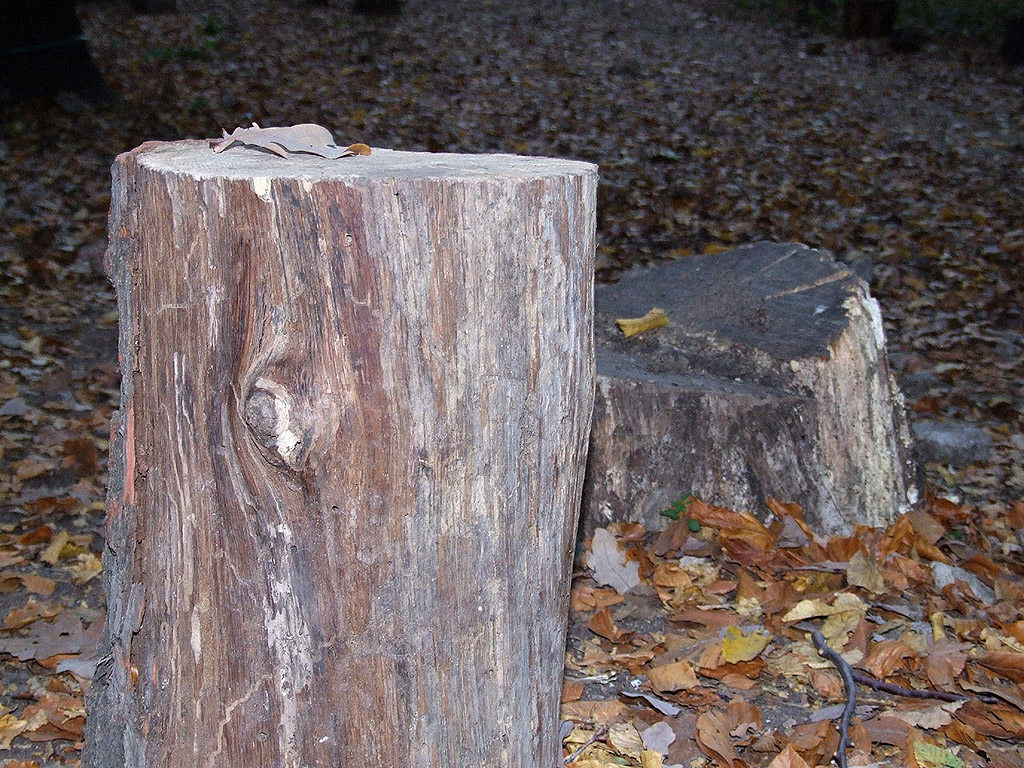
x: 273, y: 420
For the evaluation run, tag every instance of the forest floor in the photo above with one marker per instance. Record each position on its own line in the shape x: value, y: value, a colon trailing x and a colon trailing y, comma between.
x: 711, y: 129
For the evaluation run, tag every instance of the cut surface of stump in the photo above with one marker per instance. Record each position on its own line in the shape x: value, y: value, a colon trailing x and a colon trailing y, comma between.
x: 346, y: 470
x: 769, y: 380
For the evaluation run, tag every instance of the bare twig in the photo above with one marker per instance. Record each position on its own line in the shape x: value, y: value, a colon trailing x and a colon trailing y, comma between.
x: 851, y: 694
x: 897, y: 690
x: 598, y: 734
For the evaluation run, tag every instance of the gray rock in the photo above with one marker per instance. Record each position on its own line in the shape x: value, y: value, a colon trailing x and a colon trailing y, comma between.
x: 951, y: 442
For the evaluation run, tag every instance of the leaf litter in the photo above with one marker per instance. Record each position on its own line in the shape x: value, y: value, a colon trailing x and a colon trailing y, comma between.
x: 712, y: 129
x: 937, y: 668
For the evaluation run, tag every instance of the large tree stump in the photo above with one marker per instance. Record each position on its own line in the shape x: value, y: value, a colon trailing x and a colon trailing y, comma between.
x: 345, y: 481
x: 770, y: 380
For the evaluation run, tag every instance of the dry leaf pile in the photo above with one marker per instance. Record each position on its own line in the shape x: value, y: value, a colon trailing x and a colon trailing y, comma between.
x: 693, y: 646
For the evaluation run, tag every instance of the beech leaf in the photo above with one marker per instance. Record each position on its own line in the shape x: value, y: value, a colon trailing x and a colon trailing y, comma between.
x: 304, y: 139
x: 658, y: 737
x: 609, y: 563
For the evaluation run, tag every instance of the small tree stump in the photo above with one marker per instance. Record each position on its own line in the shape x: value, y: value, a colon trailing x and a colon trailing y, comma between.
x: 770, y: 380
x: 346, y: 476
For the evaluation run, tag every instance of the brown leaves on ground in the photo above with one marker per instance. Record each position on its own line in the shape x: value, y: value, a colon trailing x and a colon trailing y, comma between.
x: 714, y: 643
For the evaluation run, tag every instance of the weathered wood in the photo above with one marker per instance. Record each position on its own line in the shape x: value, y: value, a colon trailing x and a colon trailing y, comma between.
x: 345, y: 480
x: 770, y: 380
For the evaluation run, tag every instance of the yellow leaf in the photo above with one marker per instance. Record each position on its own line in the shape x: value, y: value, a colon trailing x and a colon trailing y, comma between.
x: 713, y: 248
x: 625, y: 739
x: 85, y: 568
x: 807, y: 609
x: 52, y: 552
x: 932, y: 756
x: 10, y: 726
x: 844, y: 602
x: 631, y: 326
x: 741, y: 646
x: 651, y: 759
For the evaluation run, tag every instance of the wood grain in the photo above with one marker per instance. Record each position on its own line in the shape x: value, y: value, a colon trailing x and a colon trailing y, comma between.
x: 347, y: 467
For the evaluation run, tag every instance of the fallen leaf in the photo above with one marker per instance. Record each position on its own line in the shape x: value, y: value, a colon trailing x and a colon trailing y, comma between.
x: 53, y: 550
x: 886, y: 657
x: 665, y: 707
x: 596, y: 711
x: 604, y: 761
x: 305, y: 138
x: 933, y: 756
x: 572, y: 690
x: 81, y: 456
x: 925, y: 526
x: 85, y: 567
x: 742, y: 535
x: 32, y: 582
x: 886, y: 729
x: 828, y: 684
x: 610, y: 565
x: 10, y: 726
x: 39, y: 535
x: 31, y: 611
x: 788, y: 758
x: 676, y: 676
x: 631, y: 326
x: 27, y: 469
x: 996, y: 720
x: 588, y: 598
x: 844, y: 602
x: 601, y: 624
x: 1005, y: 663
x: 44, y: 639
x: 625, y: 739
x: 928, y: 716
x: 945, y: 660
x: 738, y: 645
x: 862, y: 572
x: 64, y: 712
x: 744, y: 719
x: 658, y: 737
x: 712, y: 736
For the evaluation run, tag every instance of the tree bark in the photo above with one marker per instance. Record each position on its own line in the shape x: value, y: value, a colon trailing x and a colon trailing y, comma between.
x: 770, y: 380
x: 346, y: 473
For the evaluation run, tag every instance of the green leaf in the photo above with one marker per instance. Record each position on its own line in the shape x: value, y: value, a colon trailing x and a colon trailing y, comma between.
x: 678, y: 509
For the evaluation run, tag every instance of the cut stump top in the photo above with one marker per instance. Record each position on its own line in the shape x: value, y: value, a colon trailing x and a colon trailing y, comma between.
x: 198, y: 160
x: 743, y: 315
